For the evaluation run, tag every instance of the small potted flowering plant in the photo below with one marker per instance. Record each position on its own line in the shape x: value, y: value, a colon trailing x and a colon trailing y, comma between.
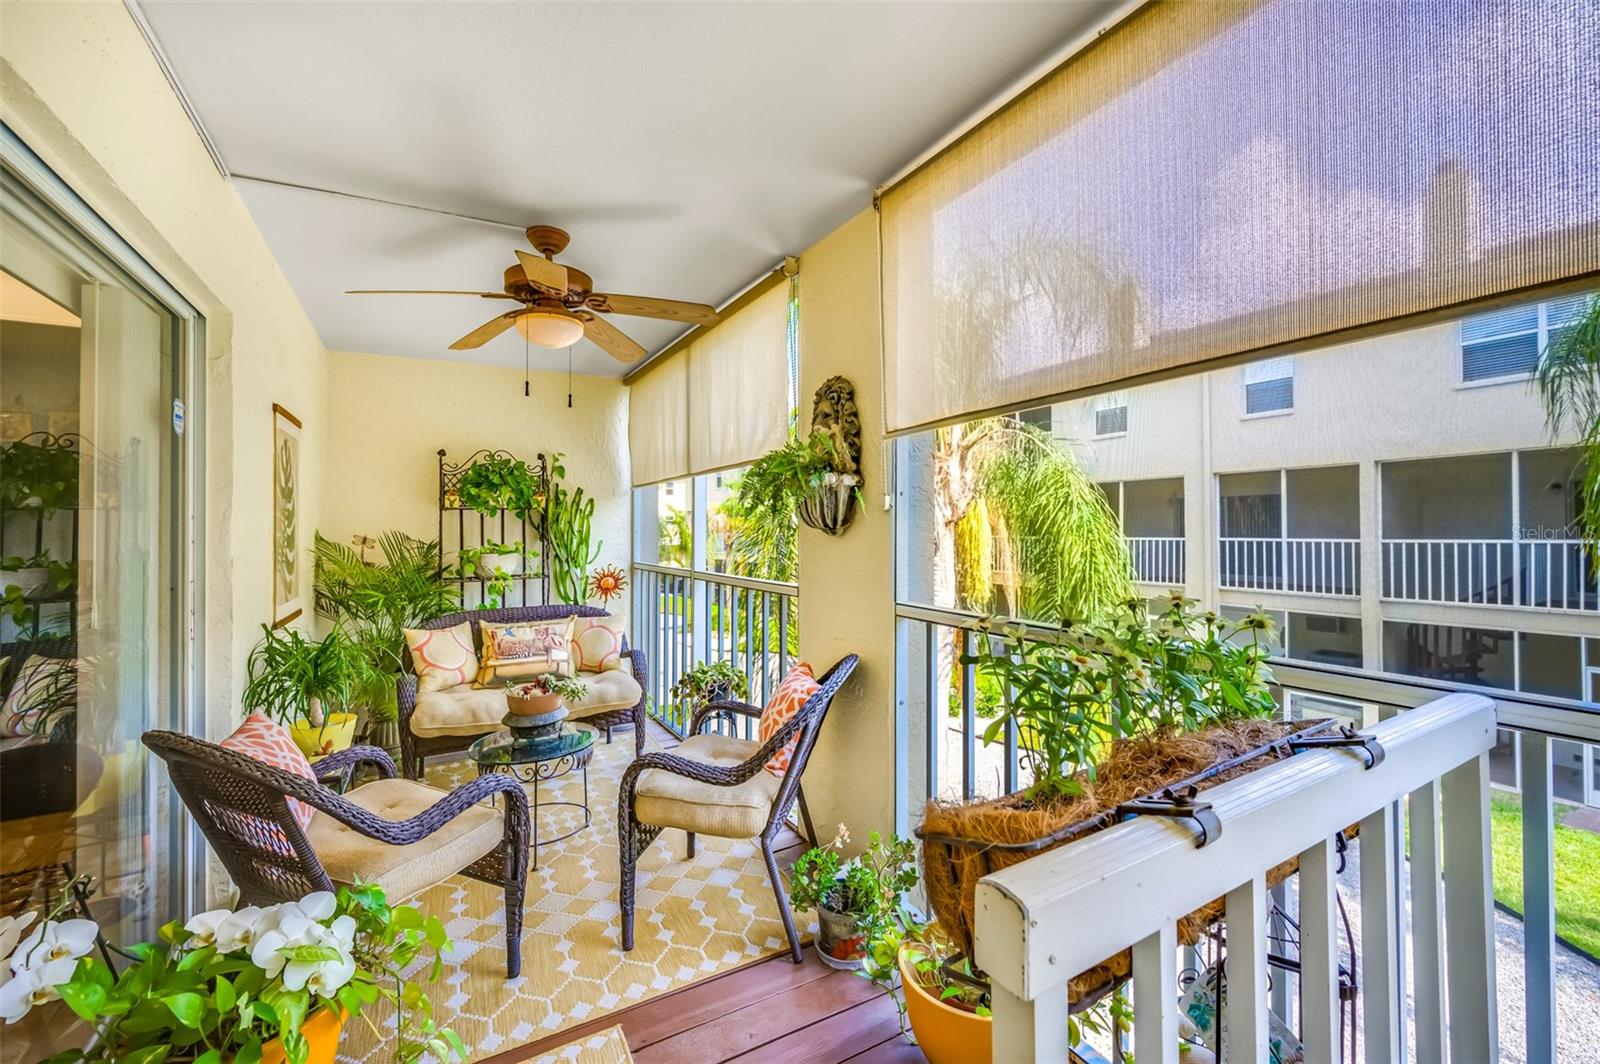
x: 853, y: 899
x: 260, y: 984
x: 543, y: 694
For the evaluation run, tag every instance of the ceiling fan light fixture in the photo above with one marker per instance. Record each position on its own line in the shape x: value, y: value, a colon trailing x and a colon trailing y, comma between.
x: 549, y: 327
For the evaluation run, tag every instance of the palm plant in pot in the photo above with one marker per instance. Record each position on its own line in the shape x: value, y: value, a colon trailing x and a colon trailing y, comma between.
x: 852, y: 898
x: 374, y: 602
x: 309, y: 685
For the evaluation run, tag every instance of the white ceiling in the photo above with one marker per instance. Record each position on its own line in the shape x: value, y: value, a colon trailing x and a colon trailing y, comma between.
x: 686, y: 146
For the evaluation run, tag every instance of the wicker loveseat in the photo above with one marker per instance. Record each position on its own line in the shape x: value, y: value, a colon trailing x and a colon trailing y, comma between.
x: 445, y: 722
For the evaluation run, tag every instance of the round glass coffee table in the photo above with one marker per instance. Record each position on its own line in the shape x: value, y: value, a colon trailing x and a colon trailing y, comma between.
x: 535, y: 760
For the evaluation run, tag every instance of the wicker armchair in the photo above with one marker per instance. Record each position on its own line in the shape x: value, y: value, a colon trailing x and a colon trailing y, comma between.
x: 414, y: 749
x: 718, y: 785
x: 405, y: 836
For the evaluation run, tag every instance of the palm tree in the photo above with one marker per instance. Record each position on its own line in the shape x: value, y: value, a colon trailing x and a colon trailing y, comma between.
x: 1569, y: 385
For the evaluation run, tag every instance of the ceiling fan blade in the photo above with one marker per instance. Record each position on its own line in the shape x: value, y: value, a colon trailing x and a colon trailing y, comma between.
x: 645, y: 307
x: 423, y: 292
x: 485, y: 332
x: 611, y: 340
x: 544, y: 274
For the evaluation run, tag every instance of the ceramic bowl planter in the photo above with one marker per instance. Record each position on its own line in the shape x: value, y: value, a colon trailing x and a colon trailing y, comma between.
x: 945, y: 1033
x: 831, y: 506
x: 510, y: 564
x: 28, y: 581
x: 841, y: 943
x: 336, y: 733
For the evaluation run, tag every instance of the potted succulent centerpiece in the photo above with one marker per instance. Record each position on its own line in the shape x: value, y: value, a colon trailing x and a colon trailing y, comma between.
x: 852, y: 898
x: 536, y: 707
x: 309, y: 685
x: 260, y: 984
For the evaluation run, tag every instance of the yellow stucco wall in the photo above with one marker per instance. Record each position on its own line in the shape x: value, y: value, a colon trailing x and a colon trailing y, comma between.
x: 846, y: 582
x: 79, y: 85
x: 389, y: 416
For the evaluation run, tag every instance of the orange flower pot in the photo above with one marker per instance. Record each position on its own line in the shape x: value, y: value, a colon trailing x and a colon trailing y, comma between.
x: 322, y: 1030
x: 945, y: 1034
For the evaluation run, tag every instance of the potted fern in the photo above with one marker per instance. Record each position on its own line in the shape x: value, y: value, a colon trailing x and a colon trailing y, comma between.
x: 808, y: 477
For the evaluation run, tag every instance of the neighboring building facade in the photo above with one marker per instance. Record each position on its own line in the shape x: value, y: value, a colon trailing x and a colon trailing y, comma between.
x: 1397, y: 503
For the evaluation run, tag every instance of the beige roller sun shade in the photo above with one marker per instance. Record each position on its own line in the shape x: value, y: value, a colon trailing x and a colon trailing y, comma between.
x: 1221, y: 178
x: 658, y: 423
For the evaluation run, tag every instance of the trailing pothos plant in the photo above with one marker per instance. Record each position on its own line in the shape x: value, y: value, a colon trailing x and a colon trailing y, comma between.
x: 222, y: 985
x: 1073, y: 691
x: 501, y: 482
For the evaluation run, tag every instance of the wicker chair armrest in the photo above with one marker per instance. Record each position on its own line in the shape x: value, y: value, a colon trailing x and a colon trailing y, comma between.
x: 714, y: 709
x: 355, y: 757
x: 405, y: 689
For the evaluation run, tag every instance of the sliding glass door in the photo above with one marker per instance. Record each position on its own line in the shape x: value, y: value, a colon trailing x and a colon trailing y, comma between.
x: 96, y: 626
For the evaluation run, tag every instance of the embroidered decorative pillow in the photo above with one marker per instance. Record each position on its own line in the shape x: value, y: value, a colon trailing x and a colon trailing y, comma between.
x: 524, y: 648
x: 596, y: 644
x: 442, y: 657
x: 270, y: 743
x: 40, y: 684
x: 792, y: 694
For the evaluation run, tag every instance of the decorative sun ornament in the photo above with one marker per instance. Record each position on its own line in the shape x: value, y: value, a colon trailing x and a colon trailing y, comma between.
x: 607, y: 582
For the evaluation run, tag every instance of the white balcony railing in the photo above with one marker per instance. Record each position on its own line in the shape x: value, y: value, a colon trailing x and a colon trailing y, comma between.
x: 1547, y: 574
x: 1041, y: 922
x: 683, y: 617
x: 1297, y: 566
x: 1158, y: 559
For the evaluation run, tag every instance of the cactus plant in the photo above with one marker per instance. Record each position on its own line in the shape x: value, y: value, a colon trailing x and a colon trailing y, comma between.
x: 569, y: 521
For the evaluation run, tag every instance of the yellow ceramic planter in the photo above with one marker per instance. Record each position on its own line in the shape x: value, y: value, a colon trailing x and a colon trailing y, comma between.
x: 945, y: 1034
x: 337, y: 734
x: 322, y: 1030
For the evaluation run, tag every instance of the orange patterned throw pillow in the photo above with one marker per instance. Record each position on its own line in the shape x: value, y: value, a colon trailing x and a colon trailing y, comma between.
x: 270, y: 743
x: 792, y: 694
x: 597, y: 644
x: 442, y: 657
x: 524, y: 648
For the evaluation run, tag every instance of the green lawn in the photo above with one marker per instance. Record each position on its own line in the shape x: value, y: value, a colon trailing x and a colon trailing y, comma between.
x: 1577, y: 871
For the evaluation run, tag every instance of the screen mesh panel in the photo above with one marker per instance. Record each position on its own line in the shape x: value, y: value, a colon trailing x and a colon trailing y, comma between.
x: 1212, y: 179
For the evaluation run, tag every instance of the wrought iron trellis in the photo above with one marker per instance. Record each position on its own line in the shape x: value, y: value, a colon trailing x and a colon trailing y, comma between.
x: 463, y: 528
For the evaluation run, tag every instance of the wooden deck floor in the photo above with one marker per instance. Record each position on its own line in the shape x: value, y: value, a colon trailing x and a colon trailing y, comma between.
x: 770, y: 1011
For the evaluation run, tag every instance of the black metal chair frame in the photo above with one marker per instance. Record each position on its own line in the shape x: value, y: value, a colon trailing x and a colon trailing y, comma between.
x: 634, y: 837
x: 241, y: 805
x: 415, y: 749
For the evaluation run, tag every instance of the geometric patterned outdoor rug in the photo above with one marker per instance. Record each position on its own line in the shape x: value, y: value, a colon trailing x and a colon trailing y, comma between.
x: 693, y: 919
x: 609, y: 1046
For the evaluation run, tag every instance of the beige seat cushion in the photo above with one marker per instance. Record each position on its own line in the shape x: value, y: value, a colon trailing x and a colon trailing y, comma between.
x: 672, y: 801
x: 468, y: 710
x: 403, y: 870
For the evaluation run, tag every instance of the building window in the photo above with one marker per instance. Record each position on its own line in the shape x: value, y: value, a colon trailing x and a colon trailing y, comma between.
x: 1111, y: 421
x: 1505, y: 344
x: 1039, y: 417
x: 1269, y: 387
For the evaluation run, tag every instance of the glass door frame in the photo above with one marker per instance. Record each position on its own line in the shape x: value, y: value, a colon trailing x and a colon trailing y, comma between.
x: 187, y: 505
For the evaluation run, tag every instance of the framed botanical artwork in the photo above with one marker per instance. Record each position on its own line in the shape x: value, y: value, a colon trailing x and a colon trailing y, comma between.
x: 288, y: 579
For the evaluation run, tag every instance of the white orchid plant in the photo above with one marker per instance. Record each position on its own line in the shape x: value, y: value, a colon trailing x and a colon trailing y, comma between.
x: 222, y: 985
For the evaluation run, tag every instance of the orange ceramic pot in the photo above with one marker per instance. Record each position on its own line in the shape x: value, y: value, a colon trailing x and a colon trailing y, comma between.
x: 322, y: 1030
x: 945, y: 1034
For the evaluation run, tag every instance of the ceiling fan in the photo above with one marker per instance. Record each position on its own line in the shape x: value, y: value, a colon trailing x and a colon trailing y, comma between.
x: 560, y: 305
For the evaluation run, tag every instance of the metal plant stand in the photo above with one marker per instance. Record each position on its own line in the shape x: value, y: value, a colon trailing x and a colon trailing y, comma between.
x: 532, y: 761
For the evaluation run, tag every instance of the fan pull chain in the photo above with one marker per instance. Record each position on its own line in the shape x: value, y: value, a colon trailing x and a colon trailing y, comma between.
x: 526, y: 390
x: 569, y: 378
